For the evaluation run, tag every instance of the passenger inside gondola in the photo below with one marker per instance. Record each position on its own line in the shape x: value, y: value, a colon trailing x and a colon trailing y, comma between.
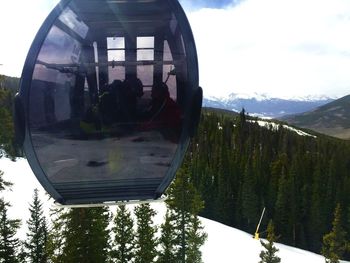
x: 116, y: 109
x: 163, y: 114
x: 132, y: 90
x: 109, y: 103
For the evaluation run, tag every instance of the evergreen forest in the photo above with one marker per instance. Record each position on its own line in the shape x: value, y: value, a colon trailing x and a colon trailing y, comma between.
x: 8, y: 88
x: 234, y: 167
x: 122, y: 234
x: 240, y: 167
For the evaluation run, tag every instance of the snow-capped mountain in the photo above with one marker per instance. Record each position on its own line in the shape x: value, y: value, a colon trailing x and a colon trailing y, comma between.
x: 264, y: 105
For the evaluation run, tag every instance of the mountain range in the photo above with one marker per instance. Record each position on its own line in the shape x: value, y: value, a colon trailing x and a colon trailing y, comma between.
x: 322, y: 114
x: 332, y: 118
x: 264, y: 106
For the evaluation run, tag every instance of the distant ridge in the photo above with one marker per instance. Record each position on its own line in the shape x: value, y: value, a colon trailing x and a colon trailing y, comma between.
x: 262, y: 105
x: 332, y: 118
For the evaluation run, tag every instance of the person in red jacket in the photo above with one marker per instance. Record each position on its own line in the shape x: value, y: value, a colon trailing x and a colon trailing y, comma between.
x: 164, y: 113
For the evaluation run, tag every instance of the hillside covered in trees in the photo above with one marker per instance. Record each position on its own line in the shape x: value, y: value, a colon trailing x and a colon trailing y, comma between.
x: 239, y: 167
x: 8, y: 88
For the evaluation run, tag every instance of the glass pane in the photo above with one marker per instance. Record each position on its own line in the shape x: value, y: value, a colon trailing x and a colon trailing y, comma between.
x: 116, y: 73
x: 59, y: 48
x: 146, y: 55
x: 69, y: 18
x: 116, y: 55
x: 169, y: 77
x: 115, y: 42
x: 145, y: 74
x: 167, y: 53
x: 145, y: 42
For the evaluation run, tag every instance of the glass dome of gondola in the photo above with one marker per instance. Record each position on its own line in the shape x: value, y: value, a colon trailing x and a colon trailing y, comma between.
x: 109, y: 97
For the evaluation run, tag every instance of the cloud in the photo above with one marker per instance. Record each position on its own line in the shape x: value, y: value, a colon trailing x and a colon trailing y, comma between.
x: 189, y: 5
x: 279, y: 47
x: 283, y: 48
x: 20, y: 21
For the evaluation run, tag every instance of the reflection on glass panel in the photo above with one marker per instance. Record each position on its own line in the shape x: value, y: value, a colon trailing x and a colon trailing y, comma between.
x: 51, y: 86
x: 147, y: 54
x: 69, y: 18
x: 167, y: 53
x: 59, y: 48
x: 145, y: 42
x: 183, y: 43
x: 115, y: 42
x: 145, y: 74
x: 115, y: 73
x: 85, y: 133
x: 170, y: 78
x: 173, y: 24
x: 116, y: 55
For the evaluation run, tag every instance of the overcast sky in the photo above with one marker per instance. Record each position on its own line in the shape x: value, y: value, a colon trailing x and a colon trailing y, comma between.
x: 279, y: 47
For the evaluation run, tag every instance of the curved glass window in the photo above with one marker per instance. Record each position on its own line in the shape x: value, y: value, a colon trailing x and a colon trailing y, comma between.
x: 107, y: 99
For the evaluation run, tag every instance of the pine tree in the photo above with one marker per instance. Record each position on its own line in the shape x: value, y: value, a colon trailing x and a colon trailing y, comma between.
x: 86, y: 235
x: 196, y: 238
x: 283, y: 206
x: 9, y: 244
x: 22, y: 254
x: 37, y: 234
x: 249, y: 197
x: 269, y: 254
x: 4, y: 184
x: 56, y: 235
x: 146, y: 242
x: 123, y: 251
x: 185, y: 203
x: 334, y: 243
x: 169, y: 239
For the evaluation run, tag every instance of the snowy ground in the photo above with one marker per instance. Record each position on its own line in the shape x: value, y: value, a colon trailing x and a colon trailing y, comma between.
x: 275, y: 126
x: 224, y: 244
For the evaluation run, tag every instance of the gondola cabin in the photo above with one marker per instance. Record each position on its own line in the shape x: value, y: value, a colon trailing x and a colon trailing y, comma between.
x: 109, y: 97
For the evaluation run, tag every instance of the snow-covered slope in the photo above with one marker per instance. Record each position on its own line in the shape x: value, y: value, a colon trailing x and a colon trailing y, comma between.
x: 274, y: 126
x: 225, y: 244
